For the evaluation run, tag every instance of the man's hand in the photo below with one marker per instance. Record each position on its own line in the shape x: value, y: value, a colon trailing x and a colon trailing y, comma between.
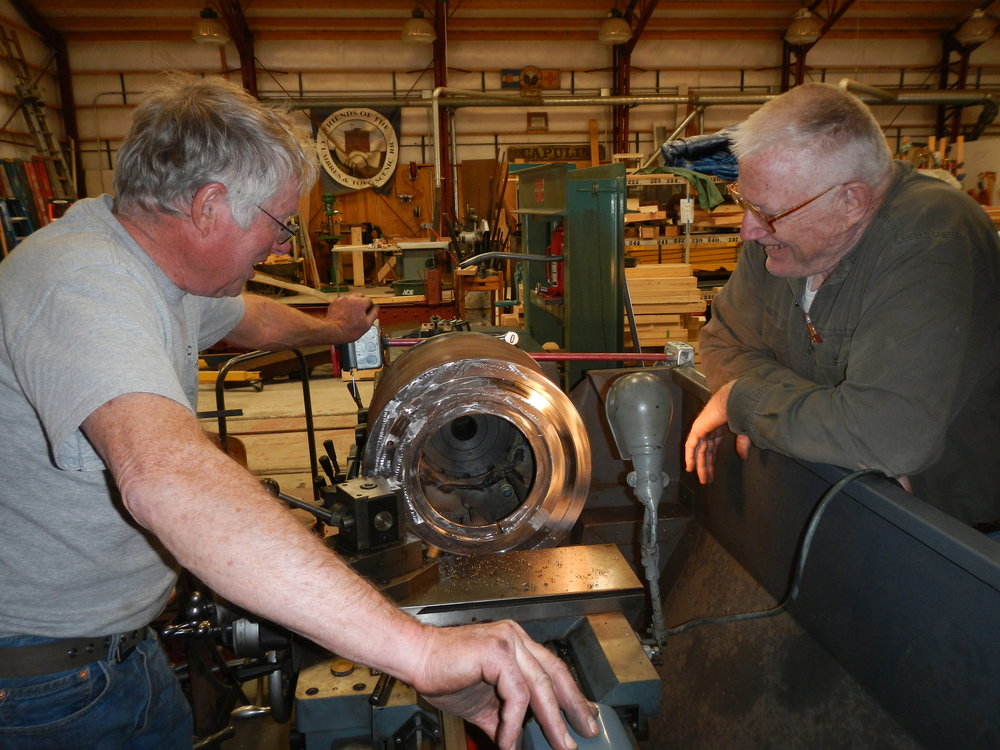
x: 489, y: 674
x: 707, y: 431
x: 352, y: 315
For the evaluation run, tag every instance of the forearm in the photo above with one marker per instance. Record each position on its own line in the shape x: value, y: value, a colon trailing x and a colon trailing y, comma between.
x: 856, y: 424
x: 270, y: 325
x: 890, y: 411
x: 287, y: 575
x: 210, y: 513
x: 871, y: 394
x: 219, y: 523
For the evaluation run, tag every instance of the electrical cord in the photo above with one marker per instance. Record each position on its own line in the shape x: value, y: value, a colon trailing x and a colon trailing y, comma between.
x: 793, y: 589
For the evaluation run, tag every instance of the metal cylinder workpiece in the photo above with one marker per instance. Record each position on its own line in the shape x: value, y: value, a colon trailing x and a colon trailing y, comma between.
x: 489, y: 453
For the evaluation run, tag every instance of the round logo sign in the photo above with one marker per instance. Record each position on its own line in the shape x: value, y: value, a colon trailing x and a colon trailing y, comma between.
x: 358, y: 148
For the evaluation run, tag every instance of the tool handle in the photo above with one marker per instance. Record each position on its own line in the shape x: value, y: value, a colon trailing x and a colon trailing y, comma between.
x: 327, y: 465
x: 332, y: 453
x: 380, y: 695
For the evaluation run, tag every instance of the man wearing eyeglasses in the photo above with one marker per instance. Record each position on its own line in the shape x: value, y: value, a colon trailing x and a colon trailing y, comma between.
x: 861, y: 325
x: 107, y: 478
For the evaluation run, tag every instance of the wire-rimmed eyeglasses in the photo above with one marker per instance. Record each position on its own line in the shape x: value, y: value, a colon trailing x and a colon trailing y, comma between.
x: 768, y: 219
x: 288, y: 229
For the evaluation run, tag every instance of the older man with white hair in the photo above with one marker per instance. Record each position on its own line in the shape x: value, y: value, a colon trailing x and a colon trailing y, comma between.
x: 861, y: 325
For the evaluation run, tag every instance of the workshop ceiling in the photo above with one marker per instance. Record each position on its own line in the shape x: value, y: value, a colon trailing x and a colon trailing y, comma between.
x: 482, y: 20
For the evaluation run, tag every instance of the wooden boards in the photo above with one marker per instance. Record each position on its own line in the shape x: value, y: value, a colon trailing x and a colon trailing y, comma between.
x: 666, y: 303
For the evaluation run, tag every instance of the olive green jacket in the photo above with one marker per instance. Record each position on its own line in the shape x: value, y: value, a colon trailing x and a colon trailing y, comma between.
x: 906, y: 378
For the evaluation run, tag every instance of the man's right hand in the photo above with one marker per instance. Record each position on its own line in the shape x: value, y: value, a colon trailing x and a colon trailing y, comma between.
x: 707, y: 432
x: 490, y: 674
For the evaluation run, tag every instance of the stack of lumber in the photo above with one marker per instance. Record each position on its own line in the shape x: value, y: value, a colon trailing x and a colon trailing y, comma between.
x: 648, y: 221
x: 666, y: 302
x: 726, y: 216
x: 705, y: 253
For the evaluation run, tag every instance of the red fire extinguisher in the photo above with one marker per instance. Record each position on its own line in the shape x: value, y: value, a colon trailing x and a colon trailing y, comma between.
x: 554, y: 268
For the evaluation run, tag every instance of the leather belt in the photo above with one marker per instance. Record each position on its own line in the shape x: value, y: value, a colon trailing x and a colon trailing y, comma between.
x: 67, y: 653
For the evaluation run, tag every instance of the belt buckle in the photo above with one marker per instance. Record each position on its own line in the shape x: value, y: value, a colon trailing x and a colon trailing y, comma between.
x: 116, y: 654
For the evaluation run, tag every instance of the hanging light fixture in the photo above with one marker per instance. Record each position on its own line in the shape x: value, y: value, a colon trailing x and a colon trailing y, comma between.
x: 804, y: 29
x: 614, y: 29
x: 977, y: 28
x: 417, y: 29
x: 209, y: 29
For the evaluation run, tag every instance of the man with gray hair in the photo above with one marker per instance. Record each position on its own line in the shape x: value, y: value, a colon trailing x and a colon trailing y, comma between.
x: 860, y: 327
x: 108, y: 478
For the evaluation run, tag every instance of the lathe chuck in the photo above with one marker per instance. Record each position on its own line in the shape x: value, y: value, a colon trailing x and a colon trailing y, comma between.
x: 490, y: 454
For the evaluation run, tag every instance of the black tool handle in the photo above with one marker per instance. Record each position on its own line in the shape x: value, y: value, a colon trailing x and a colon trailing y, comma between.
x: 327, y: 464
x: 332, y: 453
x: 380, y: 695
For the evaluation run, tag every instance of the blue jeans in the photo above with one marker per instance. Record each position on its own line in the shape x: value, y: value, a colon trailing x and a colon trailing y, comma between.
x: 134, y: 705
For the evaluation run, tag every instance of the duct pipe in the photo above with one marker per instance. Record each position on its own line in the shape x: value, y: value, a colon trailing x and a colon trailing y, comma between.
x: 856, y: 87
x: 958, y: 98
x: 495, y: 99
x: 436, y: 119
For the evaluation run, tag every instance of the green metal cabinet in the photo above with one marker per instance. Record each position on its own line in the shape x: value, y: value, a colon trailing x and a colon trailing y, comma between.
x: 589, y: 204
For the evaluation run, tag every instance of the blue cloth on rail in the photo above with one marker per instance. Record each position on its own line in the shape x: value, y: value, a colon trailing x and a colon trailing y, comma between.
x: 708, y: 154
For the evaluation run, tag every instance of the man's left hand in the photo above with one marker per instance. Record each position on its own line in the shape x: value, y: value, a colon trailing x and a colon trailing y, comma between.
x: 352, y: 315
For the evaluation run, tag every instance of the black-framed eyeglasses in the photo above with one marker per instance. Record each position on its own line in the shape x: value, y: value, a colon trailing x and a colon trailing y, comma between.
x: 288, y: 229
x: 765, y: 218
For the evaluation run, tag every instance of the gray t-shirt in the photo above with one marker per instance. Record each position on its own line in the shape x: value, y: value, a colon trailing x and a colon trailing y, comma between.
x: 86, y: 316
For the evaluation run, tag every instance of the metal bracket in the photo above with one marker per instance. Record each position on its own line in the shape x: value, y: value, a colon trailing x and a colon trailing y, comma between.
x: 678, y: 354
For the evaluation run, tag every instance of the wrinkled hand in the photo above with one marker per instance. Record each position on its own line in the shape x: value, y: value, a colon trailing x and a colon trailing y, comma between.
x: 489, y: 674
x: 707, y: 432
x: 352, y: 316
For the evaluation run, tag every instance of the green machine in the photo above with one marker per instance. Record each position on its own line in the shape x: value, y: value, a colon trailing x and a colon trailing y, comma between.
x: 575, y: 216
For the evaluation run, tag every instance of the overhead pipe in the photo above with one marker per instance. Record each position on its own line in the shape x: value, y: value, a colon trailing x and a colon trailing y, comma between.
x: 964, y: 98
x: 495, y: 99
x: 856, y: 87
